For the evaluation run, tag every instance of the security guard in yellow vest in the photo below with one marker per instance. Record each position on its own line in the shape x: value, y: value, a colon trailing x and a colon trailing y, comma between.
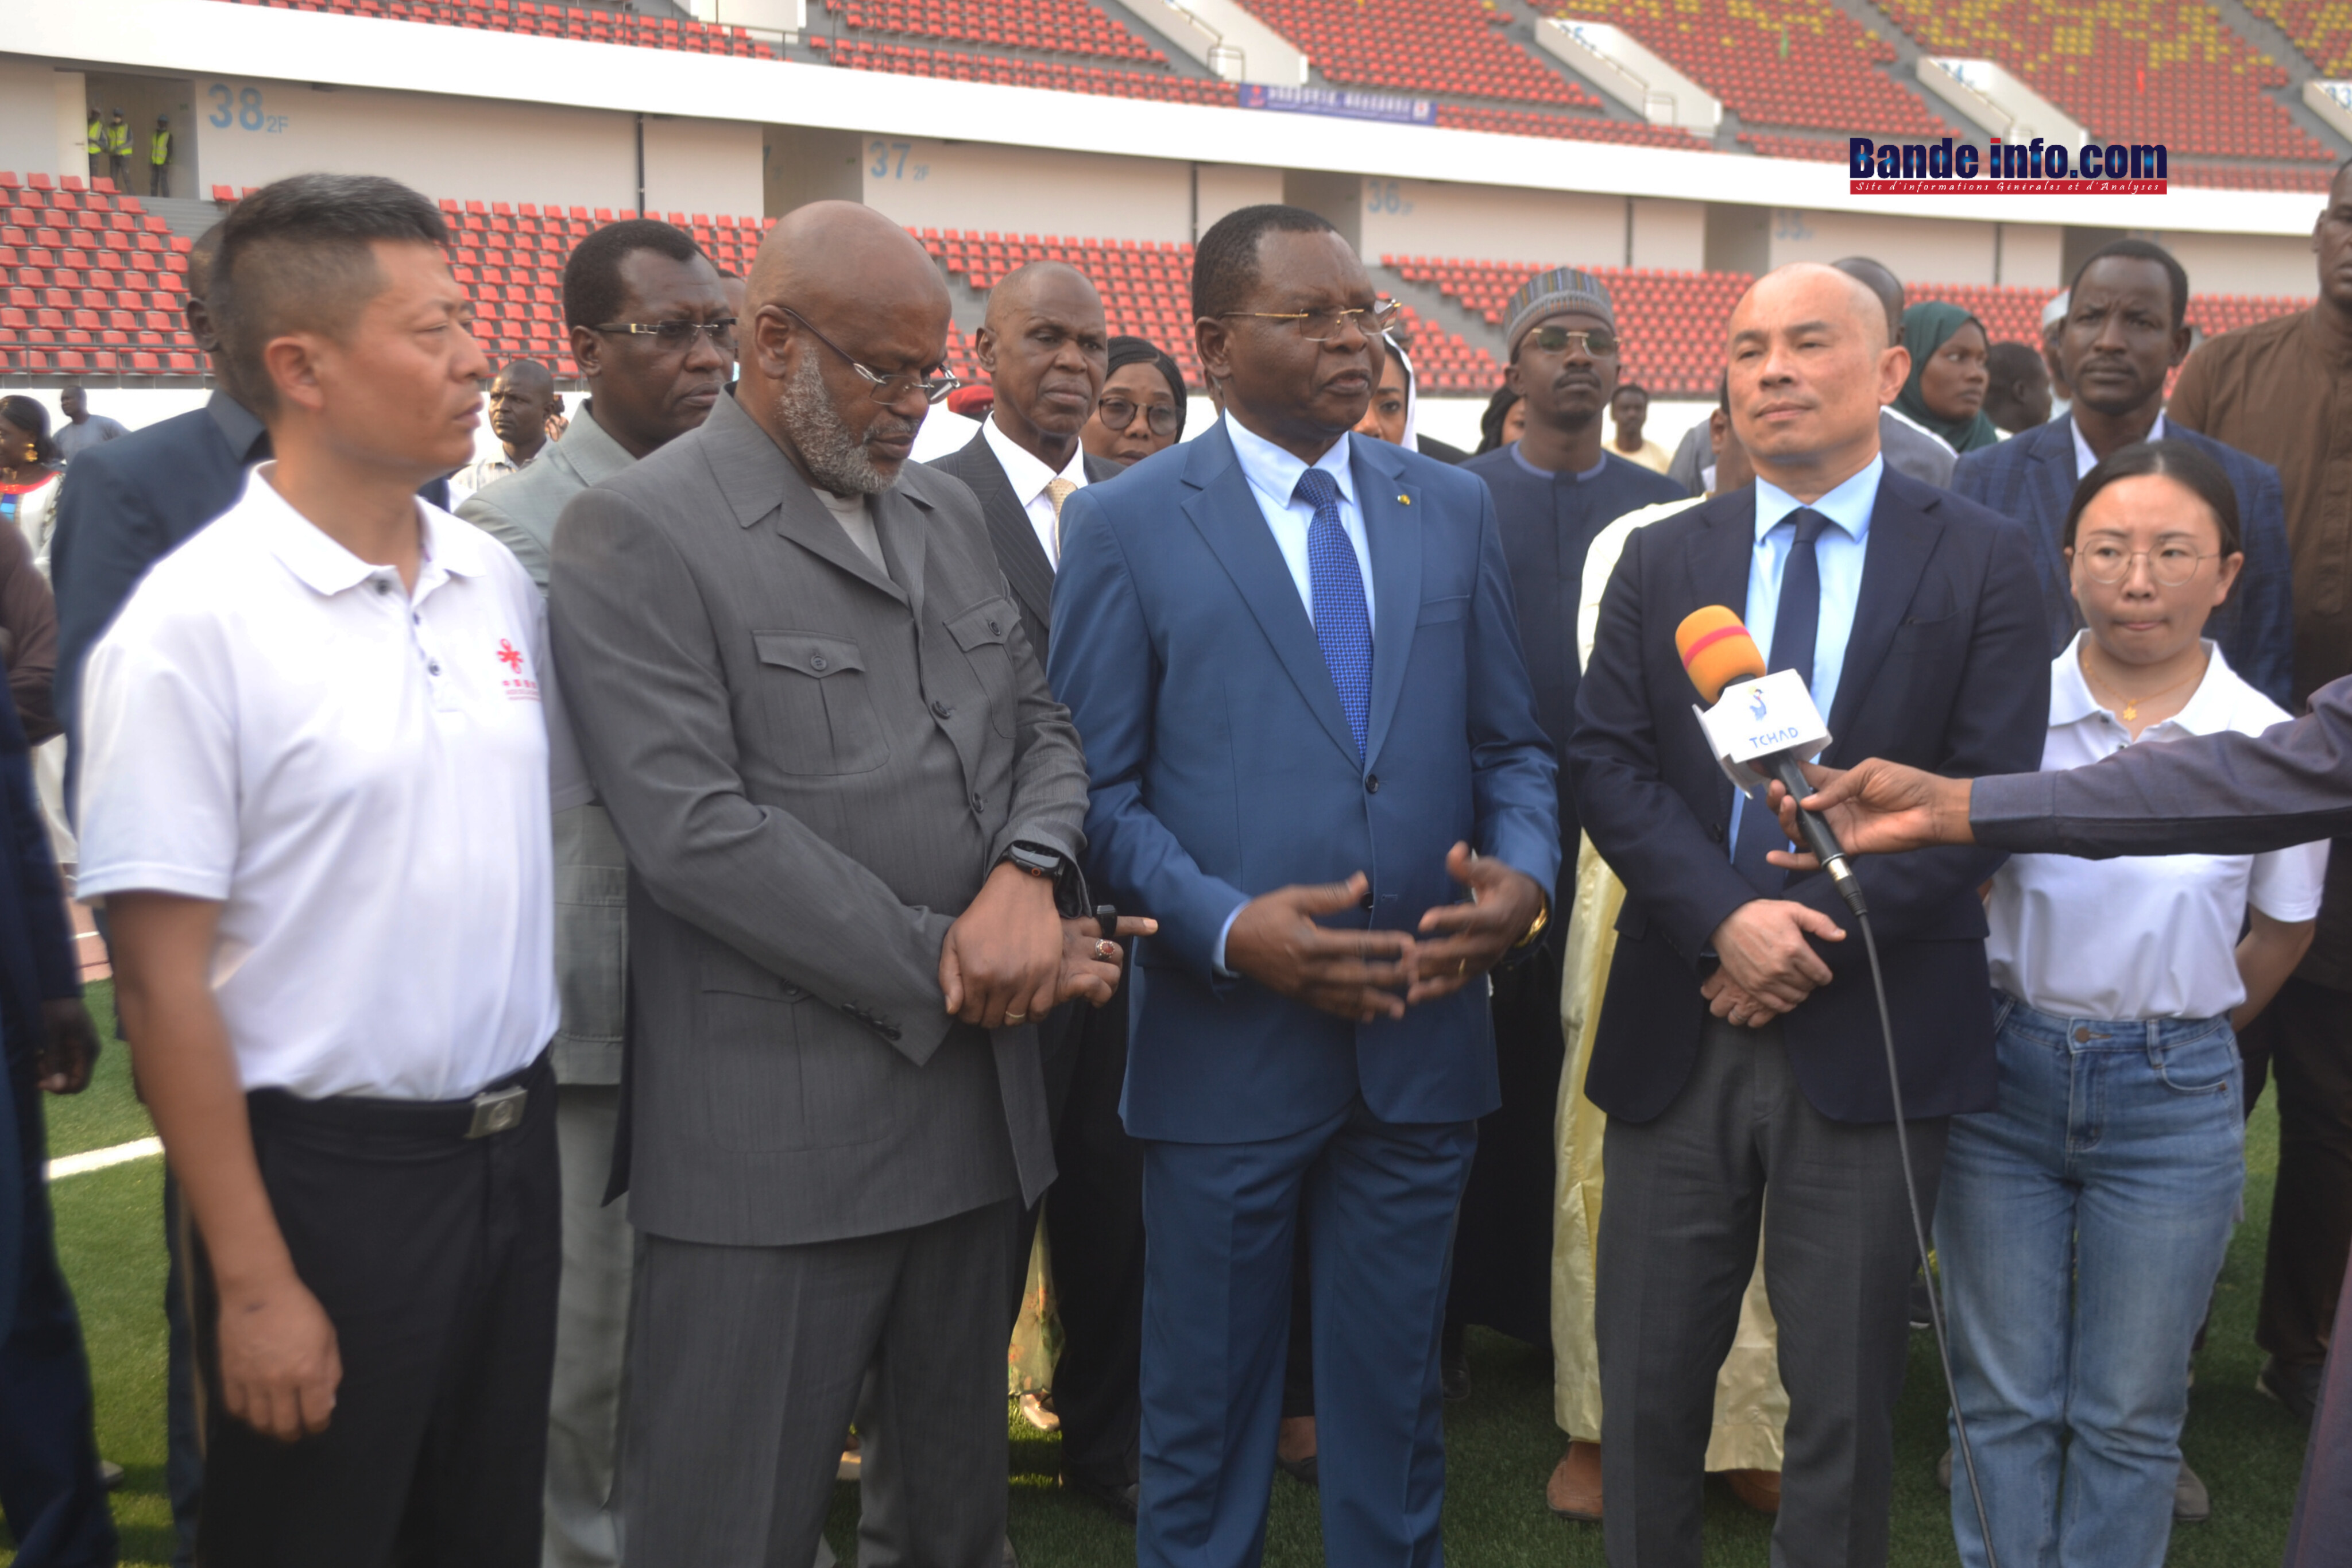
x: 118, y: 151
x: 94, y: 141
x: 159, y: 155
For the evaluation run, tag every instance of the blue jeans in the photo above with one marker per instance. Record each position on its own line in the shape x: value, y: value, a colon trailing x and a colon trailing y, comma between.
x: 2081, y: 1228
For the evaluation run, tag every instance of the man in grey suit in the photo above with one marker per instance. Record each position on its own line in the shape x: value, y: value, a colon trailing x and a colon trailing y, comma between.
x: 645, y: 388
x: 1047, y: 350
x: 848, y: 802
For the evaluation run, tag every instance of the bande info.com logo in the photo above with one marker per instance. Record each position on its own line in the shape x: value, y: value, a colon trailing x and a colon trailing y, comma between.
x: 2035, y: 168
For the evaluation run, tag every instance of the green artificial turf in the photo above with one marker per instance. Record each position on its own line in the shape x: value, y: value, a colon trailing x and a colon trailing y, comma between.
x: 1500, y: 1445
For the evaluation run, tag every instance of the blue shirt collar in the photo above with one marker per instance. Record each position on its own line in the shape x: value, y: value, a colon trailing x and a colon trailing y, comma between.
x: 1589, y: 473
x: 1849, y: 506
x: 1274, y: 472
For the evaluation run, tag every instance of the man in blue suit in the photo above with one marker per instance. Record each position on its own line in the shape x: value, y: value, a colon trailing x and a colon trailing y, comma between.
x: 1738, y: 1052
x: 2124, y: 331
x: 1314, y: 757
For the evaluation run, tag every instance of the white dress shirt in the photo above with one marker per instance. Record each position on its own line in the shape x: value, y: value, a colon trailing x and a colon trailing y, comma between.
x: 1273, y: 474
x: 2151, y: 936
x: 1839, y: 550
x: 360, y: 776
x: 1029, y: 476
x: 2086, y: 459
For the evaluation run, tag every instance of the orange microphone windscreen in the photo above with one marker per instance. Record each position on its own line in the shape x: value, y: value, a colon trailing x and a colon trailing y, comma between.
x: 1716, y: 651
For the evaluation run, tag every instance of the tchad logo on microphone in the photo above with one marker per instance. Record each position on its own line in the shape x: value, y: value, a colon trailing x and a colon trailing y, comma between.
x: 1999, y: 168
x: 1757, y: 706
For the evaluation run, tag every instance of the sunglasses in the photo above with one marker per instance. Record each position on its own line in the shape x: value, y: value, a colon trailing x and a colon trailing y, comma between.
x: 1600, y: 340
x: 1117, y: 413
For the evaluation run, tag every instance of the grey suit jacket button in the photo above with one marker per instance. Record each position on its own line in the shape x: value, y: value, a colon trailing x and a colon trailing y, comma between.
x: 940, y: 707
x: 817, y: 663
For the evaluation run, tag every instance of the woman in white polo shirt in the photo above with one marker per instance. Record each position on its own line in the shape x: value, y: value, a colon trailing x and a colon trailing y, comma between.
x: 2082, y: 1224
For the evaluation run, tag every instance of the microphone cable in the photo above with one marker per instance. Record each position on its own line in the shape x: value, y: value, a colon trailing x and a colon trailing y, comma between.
x: 1918, y: 1223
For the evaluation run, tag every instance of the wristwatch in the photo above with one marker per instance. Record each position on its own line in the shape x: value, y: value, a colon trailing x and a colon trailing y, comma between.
x: 1052, y: 866
x: 1543, y: 918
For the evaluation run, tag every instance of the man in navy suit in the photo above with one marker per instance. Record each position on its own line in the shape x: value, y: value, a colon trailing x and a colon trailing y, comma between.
x: 2124, y: 331
x: 1315, y: 757
x: 1738, y: 1052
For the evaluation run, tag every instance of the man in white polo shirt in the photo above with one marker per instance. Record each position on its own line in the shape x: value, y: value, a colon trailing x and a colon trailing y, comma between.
x: 320, y: 744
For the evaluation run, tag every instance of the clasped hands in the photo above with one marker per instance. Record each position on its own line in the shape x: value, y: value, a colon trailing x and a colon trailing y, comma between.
x: 1767, y: 965
x: 1362, y: 975
x: 1011, y: 957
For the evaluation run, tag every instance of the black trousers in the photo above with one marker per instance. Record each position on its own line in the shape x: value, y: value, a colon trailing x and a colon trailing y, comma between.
x: 1687, y: 1207
x: 1502, y: 1250
x: 1094, y: 1221
x: 1094, y: 1229
x: 2307, y: 1032
x: 49, y: 1489
x: 435, y: 1256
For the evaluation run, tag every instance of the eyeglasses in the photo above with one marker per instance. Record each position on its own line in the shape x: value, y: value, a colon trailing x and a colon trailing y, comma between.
x: 1322, y: 325
x: 1117, y: 413
x: 674, y: 337
x: 2172, y: 565
x: 886, y: 389
x: 1597, y: 342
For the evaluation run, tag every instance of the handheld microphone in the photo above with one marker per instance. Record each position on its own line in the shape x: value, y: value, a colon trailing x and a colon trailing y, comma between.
x: 1718, y: 652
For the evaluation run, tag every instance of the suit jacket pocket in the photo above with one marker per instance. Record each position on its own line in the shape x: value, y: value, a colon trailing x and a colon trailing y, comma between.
x: 981, y: 632
x: 815, y: 686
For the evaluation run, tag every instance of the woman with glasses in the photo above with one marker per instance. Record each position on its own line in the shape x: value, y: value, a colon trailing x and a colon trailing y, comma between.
x: 2083, y: 1223
x: 1141, y: 409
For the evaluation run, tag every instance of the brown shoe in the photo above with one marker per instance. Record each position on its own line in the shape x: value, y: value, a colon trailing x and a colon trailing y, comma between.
x: 1760, y: 1489
x: 1574, y: 1490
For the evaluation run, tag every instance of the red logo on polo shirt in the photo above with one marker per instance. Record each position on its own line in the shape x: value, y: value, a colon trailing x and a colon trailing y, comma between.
x: 518, y: 686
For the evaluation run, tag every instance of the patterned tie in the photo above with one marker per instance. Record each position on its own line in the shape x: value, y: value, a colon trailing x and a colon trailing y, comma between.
x: 1796, y: 627
x: 1058, y: 491
x: 1343, y: 624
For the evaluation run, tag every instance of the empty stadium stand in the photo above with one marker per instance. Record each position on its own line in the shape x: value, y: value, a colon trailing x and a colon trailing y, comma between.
x: 1801, y: 63
x: 90, y: 282
x: 547, y: 20
x: 1063, y: 27
x: 1420, y: 47
x: 2131, y: 71
x: 1007, y: 71
x: 2322, y: 29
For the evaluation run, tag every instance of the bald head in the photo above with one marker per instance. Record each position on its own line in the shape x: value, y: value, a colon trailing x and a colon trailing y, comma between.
x: 1883, y: 286
x: 1810, y: 368
x: 528, y: 374
x: 838, y: 287
x: 828, y: 255
x: 1046, y: 350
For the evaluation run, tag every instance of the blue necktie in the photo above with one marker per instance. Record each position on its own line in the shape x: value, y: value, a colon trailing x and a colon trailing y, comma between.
x: 1343, y: 626
x: 1796, y: 627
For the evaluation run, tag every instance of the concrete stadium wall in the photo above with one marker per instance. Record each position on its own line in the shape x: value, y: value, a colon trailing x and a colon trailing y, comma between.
x: 40, y: 118
x: 253, y: 131
x: 1431, y: 217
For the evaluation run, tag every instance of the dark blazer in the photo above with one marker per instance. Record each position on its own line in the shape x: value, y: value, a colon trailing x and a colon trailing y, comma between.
x: 1222, y: 767
x: 2031, y: 478
x: 1026, y: 570
x: 1948, y: 669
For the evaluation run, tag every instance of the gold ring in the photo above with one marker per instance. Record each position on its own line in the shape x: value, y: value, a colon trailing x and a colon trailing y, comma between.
x: 1016, y: 1018
x: 1460, y: 968
x: 1106, y: 950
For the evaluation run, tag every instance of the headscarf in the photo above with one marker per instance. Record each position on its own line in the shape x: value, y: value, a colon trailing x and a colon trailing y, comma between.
x: 1125, y: 352
x: 1410, y: 440
x: 1927, y: 327
x: 1490, y: 423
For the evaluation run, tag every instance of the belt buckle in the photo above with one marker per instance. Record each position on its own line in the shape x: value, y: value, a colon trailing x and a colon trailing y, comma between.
x: 498, y: 1111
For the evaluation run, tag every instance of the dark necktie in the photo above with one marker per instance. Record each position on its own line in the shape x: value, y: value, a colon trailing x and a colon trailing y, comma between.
x: 1796, y: 627
x: 1343, y: 626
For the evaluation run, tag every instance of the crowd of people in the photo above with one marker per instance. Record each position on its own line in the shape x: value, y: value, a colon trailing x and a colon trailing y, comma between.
x: 634, y: 942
